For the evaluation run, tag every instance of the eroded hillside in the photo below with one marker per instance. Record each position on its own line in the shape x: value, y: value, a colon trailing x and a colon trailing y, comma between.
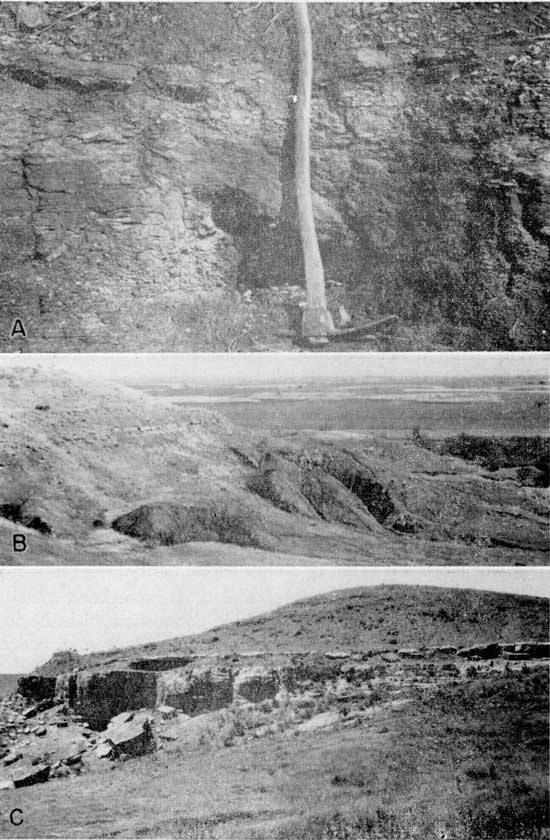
x: 350, y: 711
x: 101, y: 474
x: 147, y: 156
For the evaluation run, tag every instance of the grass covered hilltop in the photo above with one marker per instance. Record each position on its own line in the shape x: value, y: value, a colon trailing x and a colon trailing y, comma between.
x: 387, y: 712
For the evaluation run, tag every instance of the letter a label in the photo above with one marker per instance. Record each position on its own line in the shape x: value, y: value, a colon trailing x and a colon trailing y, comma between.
x: 18, y: 329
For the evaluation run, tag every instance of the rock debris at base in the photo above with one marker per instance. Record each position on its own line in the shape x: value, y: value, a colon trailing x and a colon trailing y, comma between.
x: 211, y: 701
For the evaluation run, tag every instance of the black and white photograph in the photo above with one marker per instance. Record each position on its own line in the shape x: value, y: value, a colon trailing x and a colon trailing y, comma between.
x: 274, y: 420
x: 277, y: 704
x: 377, y: 459
x: 272, y: 176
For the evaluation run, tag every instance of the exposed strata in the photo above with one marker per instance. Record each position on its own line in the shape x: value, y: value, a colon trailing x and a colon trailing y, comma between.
x: 87, y: 717
x: 147, y: 186
x: 331, y: 661
x: 95, y: 473
x: 208, y: 683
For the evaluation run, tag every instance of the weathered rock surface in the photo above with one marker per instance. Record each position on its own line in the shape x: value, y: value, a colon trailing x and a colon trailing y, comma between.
x: 320, y: 721
x: 12, y: 757
x: 167, y: 712
x: 488, y: 651
x: 36, y: 687
x: 196, y: 690
x: 527, y: 650
x: 164, y: 175
x: 131, y: 736
x: 104, y: 750
x: 101, y: 695
x: 256, y: 683
x: 31, y: 775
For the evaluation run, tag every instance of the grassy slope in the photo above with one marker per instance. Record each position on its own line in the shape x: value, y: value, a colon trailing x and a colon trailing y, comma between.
x: 364, y: 618
x: 85, y: 454
x: 79, y: 450
x: 466, y: 757
x: 98, y: 451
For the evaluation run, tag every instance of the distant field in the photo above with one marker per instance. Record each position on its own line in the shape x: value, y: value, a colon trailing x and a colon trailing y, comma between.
x: 449, y: 406
x: 8, y: 683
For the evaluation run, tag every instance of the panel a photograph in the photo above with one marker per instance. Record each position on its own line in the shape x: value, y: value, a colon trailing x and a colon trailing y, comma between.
x: 274, y: 459
x: 314, y: 704
x: 263, y: 177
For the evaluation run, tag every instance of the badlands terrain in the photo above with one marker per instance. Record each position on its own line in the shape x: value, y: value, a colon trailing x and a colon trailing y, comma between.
x: 100, y: 474
x: 378, y: 712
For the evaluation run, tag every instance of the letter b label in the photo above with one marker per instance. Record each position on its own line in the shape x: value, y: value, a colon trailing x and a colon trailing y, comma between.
x: 19, y: 542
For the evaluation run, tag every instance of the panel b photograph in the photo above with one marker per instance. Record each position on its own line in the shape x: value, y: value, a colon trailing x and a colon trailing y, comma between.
x: 309, y: 459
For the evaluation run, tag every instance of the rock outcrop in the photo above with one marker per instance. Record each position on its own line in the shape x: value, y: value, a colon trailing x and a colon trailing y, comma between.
x: 202, y: 688
x: 32, y: 775
x: 164, y: 179
x: 116, y: 714
x: 481, y: 651
x: 102, y: 694
x: 256, y: 683
x: 526, y: 650
x: 34, y: 687
x: 130, y: 734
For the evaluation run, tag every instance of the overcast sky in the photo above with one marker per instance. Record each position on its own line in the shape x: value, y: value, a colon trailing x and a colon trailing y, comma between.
x: 47, y: 609
x: 272, y: 367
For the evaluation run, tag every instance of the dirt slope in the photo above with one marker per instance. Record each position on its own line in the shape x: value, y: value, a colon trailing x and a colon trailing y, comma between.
x: 364, y: 745
x: 103, y: 474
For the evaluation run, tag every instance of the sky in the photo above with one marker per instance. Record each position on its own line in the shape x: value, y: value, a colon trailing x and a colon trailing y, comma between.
x: 91, y: 608
x: 272, y: 367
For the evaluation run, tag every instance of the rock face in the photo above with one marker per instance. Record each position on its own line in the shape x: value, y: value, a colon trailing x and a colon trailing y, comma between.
x: 132, y: 736
x: 167, y: 712
x: 199, y: 689
x: 527, y: 650
x: 488, y: 651
x: 256, y: 684
x: 141, y: 176
x: 30, y: 775
x: 101, y: 695
x: 65, y: 688
x: 161, y: 663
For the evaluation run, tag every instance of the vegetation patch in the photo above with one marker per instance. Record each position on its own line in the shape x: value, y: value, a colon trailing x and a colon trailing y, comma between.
x: 495, y: 453
x: 20, y: 512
